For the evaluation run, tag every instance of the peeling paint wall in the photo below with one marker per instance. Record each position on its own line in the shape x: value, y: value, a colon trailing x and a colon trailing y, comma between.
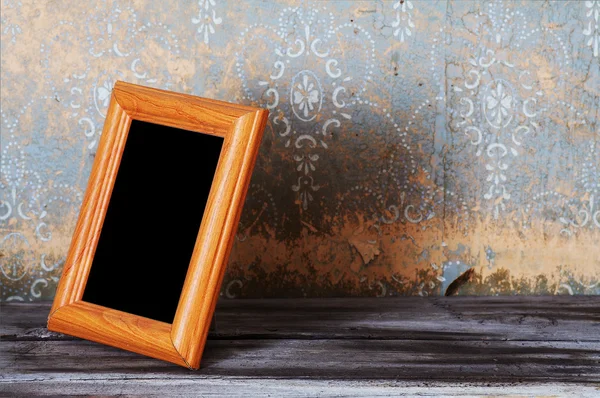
x: 408, y: 141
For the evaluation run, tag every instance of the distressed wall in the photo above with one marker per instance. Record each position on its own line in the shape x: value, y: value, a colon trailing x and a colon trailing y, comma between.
x: 407, y: 141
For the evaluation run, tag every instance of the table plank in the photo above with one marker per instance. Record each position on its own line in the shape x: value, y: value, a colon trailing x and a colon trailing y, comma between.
x: 529, y: 318
x: 158, y: 386
x: 490, y: 361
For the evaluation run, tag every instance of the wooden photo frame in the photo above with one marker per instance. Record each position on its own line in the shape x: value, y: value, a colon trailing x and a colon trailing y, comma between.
x: 219, y: 166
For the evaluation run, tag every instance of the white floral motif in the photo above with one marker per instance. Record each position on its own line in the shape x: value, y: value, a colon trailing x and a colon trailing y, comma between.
x: 207, y: 18
x: 404, y: 22
x: 498, y: 104
x: 508, y: 114
x: 306, y: 94
x: 308, y: 60
x: 593, y: 26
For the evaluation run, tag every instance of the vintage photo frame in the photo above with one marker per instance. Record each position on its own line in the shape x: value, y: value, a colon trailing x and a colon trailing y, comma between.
x: 181, y: 342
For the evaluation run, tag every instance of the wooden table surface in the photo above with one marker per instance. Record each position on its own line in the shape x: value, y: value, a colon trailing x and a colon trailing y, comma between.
x: 456, y: 346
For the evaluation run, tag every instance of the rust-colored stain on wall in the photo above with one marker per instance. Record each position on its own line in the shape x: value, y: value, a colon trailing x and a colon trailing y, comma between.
x: 408, y: 141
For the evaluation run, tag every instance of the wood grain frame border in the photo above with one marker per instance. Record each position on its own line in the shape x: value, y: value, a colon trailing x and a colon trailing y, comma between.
x: 181, y: 342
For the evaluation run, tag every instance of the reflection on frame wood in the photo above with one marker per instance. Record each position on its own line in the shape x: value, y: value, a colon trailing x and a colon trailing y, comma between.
x: 157, y: 222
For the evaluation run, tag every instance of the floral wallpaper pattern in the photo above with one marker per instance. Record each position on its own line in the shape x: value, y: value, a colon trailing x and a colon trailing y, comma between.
x: 407, y: 142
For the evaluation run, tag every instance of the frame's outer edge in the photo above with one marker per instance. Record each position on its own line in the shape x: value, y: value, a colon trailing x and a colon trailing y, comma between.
x: 183, y: 341
x: 197, y: 304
